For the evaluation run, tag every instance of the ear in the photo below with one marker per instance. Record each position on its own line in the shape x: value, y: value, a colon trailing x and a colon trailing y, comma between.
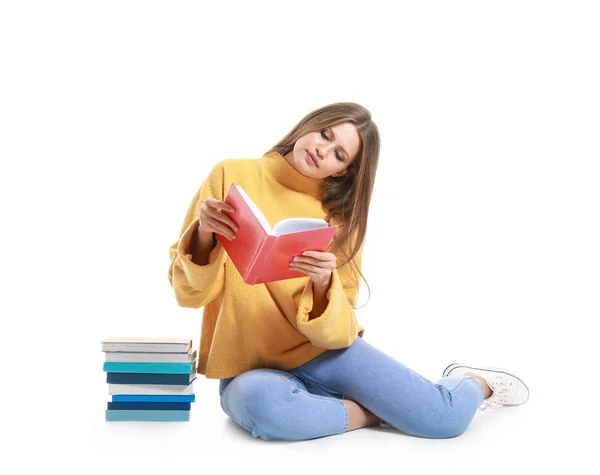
x: 342, y: 173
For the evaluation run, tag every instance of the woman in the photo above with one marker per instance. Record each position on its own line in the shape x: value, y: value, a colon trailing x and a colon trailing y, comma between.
x: 290, y: 355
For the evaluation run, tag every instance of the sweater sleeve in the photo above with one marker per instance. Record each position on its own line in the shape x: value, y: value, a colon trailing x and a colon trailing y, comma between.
x: 337, y: 326
x: 195, y: 286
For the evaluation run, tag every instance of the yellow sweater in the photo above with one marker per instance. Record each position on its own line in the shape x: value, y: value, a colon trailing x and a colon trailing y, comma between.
x: 263, y: 325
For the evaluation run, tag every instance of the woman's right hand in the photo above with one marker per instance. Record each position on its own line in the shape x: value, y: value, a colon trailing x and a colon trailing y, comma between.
x: 213, y: 221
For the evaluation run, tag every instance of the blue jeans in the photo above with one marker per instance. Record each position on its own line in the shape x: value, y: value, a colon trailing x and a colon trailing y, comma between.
x: 306, y: 402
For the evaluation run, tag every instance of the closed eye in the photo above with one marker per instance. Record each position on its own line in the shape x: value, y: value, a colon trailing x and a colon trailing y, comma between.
x: 326, y: 137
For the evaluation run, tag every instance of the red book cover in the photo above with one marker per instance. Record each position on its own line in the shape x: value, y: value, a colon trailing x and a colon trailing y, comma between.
x: 261, y: 254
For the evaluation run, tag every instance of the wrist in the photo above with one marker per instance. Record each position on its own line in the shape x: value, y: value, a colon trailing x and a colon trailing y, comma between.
x: 201, y: 246
x: 322, y: 287
x: 205, y: 237
x: 205, y: 240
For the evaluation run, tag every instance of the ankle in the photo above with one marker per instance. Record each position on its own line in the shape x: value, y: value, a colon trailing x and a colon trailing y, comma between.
x: 373, y: 420
x: 487, y: 391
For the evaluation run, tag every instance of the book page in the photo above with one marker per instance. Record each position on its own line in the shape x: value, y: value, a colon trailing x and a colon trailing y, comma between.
x: 257, y: 212
x: 294, y: 225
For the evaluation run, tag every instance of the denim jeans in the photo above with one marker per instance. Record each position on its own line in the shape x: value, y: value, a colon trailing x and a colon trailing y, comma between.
x: 306, y: 402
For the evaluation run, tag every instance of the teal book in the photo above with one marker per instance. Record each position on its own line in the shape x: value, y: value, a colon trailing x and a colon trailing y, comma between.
x: 146, y: 415
x: 157, y: 368
x: 153, y: 398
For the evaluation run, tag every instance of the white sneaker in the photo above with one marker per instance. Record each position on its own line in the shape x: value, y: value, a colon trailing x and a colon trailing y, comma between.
x: 507, y: 388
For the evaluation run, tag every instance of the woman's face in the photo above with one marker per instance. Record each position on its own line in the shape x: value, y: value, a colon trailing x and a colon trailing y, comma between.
x: 332, y: 148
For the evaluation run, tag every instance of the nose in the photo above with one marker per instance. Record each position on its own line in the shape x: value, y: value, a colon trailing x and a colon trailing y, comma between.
x: 323, y: 150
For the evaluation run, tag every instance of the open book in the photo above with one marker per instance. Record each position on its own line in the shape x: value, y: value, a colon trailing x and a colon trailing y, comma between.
x: 263, y: 254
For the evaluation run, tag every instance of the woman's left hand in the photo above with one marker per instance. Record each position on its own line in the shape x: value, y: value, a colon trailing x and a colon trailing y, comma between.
x: 317, y: 265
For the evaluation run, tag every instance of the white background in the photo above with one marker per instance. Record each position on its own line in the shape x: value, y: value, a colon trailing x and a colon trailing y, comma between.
x: 482, y: 246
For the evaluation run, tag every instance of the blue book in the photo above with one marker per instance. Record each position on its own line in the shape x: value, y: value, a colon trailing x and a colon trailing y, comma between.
x: 162, y: 368
x: 150, y: 406
x: 149, y: 378
x: 153, y: 398
x: 162, y: 416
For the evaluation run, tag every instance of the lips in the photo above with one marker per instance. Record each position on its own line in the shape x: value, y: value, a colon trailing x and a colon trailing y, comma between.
x: 313, y: 158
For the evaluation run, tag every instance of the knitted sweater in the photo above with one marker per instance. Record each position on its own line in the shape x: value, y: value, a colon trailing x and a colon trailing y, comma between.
x: 263, y: 325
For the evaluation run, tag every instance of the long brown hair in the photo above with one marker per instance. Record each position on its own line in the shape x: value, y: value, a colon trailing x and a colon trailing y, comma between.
x: 346, y: 198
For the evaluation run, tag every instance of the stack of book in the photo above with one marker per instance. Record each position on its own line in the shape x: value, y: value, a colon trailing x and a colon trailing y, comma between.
x: 149, y: 379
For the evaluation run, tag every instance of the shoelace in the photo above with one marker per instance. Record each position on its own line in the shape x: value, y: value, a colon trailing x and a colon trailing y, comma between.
x: 501, y: 389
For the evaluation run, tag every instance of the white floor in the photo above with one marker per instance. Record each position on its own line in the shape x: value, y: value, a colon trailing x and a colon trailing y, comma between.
x: 54, y: 404
x: 70, y: 434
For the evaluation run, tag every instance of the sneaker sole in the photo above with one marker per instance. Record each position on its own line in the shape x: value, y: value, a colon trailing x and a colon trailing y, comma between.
x: 453, y: 366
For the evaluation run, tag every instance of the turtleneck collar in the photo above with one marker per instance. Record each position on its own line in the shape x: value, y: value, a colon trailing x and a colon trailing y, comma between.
x: 288, y: 176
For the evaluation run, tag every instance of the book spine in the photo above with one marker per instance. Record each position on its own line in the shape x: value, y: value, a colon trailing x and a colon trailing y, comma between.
x: 260, y: 259
x: 141, y: 415
x: 153, y: 398
x: 161, y: 368
x: 150, y: 378
x: 149, y: 389
x: 120, y: 357
x: 255, y: 262
x: 149, y: 406
x: 143, y: 348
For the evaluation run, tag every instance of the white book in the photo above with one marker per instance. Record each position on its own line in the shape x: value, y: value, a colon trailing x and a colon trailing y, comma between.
x: 147, y: 345
x: 155, y: 389
x: 121, y: 357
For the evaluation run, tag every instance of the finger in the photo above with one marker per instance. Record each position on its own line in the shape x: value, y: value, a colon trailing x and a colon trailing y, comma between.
x: 306, y: 267
x: 324, y: 256
x: 224, y: 219
x: 312, y: 256
x: 310, y: 260
x: 221, y: 228
x: 228, y: 221
x: 297, y: 269
x: 225, y: 207
x: 220, y: 205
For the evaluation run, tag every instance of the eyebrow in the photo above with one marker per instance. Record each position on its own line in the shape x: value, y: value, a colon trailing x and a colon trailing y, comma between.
x: 343, y: 149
